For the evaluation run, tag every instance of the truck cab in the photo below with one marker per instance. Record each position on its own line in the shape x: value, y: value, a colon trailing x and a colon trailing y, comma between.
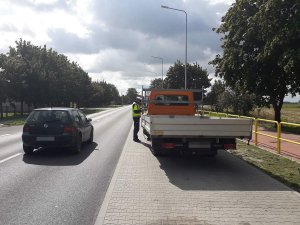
x: 163, y: 102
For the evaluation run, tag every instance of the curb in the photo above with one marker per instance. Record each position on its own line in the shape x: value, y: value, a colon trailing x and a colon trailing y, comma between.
x: 105, y: 203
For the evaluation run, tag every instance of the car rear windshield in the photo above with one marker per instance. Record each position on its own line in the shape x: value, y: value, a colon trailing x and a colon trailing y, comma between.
x: 178, y: 100
x: 40, y: 116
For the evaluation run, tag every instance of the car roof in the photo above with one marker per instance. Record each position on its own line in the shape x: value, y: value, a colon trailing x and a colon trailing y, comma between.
x: 56, y: 108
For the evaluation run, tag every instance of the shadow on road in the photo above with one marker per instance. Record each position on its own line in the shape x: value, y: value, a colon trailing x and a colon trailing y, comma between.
x: 225, y: 172
x: 59, y: 156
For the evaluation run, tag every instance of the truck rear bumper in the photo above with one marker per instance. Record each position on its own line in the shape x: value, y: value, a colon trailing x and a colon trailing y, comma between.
x: 194, y: 145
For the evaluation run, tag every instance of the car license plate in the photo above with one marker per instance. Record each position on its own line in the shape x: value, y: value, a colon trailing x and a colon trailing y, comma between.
x: 45, y: 138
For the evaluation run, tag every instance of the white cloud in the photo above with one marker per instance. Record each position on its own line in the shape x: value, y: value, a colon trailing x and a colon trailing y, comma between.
x: 113, y: 40
x: 43, y: 2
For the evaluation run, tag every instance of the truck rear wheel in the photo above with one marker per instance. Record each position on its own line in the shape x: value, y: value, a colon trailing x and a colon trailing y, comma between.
x: 156, y: 147
x: 213, y: 154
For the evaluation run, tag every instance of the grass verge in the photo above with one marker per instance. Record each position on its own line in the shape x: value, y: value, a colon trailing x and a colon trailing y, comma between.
x: 87, y: 111
x: 14, y: 120
x: 282, y: 169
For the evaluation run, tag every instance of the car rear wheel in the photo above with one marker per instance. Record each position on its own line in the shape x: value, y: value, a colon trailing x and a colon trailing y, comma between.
x: 77, y: 146
x: 28, y: 149
x: 91, y: 139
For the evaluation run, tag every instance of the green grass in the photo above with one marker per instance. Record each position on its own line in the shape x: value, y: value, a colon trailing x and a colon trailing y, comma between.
x: 115, y: 106
x: 87, y: 111
x: 282, y: 169
x: 13, y: 120
x: 290, y: 113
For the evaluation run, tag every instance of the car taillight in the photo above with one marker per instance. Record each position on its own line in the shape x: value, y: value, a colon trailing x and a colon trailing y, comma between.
x: 168, y: 145
x: 26, y: 128
x: 69, y: 129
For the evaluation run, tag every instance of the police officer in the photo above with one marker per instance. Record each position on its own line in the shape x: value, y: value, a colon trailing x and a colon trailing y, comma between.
x: 136, y: 115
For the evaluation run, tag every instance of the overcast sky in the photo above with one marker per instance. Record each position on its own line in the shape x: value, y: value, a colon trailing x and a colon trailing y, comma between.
x: 113, y: 40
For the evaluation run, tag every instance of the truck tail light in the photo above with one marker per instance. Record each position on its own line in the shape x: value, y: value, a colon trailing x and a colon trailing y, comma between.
x: 69, y: 129
x: 229, y: 146
x: 168, y: 145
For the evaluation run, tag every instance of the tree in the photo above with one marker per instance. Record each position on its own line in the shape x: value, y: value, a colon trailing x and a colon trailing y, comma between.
x: 261, y: 49
x: 43, y: 77
x: 224, y: 101
x: 217, y: 89
x: 241, y: 101
x: 110, y: 92
x: 102, y: 94
x: 131, y: 94
x: 156, y: 83
x: 196, y: 77
x: 3, y: 84
x: 238, y: 100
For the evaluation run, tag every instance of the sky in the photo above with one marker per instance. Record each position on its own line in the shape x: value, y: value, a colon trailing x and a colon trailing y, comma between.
x: 114, y: 40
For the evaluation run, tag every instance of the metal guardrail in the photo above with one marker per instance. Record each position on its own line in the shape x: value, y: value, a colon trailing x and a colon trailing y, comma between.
x: 256, y: 125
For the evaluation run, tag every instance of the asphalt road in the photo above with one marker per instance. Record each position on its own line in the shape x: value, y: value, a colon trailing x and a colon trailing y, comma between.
x: 56, y: 186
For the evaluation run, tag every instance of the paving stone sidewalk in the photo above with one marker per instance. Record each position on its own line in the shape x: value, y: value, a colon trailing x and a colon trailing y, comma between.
x: 146, y: 190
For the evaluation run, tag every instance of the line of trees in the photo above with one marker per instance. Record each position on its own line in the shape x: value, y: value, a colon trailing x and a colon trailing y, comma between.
x: 42, y: 77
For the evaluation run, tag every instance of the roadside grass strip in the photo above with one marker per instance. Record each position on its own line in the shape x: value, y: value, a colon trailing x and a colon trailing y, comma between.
x: 15, y: 120
x: 285, y: 170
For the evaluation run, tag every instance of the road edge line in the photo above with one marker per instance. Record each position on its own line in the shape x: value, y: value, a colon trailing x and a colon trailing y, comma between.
x: 105, y: 203
x: 10, y: 157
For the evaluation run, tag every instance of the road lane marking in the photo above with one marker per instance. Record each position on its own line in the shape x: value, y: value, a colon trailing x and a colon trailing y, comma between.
x: 13, y: 156
x: 3, y: 135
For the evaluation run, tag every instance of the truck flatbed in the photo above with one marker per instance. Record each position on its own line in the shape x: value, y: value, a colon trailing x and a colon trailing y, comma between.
x: 197, y: 126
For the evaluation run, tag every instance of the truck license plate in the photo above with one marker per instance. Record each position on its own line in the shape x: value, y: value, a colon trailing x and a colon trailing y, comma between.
x: 199, y: 145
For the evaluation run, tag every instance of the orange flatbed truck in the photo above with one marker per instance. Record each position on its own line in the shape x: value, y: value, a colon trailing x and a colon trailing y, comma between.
x: 171, y: 123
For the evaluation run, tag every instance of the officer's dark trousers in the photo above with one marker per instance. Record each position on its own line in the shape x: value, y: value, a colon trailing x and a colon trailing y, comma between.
x: 136, y: 123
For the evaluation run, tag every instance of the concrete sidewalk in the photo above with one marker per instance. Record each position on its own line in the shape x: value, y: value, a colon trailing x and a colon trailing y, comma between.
x: 193, y: 191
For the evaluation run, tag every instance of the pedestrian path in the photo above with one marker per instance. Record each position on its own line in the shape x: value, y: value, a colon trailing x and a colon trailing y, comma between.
x: 171, y: 190
x: 287, y: 149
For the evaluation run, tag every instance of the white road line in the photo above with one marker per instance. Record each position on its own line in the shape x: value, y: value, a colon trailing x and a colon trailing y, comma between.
x: 3, y: 135
x: 13, y: 156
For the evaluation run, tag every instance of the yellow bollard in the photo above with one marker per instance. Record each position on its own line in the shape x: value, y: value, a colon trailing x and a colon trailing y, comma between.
x: 255, y: 133
x: 278, y: 137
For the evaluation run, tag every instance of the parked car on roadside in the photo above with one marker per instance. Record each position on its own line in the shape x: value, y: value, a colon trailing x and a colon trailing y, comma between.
x: 56, y: 127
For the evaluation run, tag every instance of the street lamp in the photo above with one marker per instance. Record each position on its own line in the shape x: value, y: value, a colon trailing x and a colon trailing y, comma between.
x: 167, y: 7
x: 162, y: 70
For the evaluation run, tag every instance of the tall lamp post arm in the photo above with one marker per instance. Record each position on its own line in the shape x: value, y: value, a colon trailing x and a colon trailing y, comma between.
x: 185, y: 72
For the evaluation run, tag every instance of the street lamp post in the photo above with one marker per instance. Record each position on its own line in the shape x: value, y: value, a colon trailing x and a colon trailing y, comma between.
x: 167, y: 7
x: 162, y: 70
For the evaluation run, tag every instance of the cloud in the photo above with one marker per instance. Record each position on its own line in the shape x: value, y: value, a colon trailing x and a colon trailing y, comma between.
x: 114, y: 40
x: 42, y: 5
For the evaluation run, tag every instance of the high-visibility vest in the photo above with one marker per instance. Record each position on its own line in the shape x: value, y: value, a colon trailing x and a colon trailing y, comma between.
x: 135, y: 107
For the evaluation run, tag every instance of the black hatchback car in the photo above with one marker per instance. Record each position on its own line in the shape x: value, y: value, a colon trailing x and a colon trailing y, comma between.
x: 56, y: 127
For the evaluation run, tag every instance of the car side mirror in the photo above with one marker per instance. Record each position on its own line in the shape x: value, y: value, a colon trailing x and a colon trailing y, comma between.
x: 89, y: 120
